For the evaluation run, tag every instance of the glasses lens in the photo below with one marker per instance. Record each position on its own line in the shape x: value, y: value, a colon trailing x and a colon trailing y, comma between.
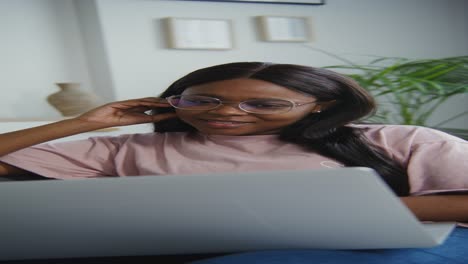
x: 266, y: 106
x: 193, y: 102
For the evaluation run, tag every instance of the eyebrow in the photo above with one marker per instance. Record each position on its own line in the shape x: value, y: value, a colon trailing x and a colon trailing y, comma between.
x: 222, y: 98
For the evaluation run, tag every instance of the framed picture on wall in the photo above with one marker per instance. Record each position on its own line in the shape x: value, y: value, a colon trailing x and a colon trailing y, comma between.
x: 290, y: 2
x: 285, y: 28
x: 199, y: 33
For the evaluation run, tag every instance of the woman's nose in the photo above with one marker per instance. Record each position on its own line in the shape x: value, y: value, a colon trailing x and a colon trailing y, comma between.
x: 228, y: 108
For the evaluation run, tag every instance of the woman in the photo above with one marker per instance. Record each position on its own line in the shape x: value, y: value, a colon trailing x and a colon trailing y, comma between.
x: 253, y: 116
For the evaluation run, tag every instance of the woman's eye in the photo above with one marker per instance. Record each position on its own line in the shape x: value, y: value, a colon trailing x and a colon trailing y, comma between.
x: 195, y: 101
x: 203, y: 102
x: 267, y: 105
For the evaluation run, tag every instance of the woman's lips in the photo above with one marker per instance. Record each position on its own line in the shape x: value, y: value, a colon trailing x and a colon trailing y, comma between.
x: 224, y: 123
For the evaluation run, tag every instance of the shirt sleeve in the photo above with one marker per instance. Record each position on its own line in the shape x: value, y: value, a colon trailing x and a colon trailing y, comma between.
x: 92, y: 157
x: 435, y: 162
x: 438, y: 167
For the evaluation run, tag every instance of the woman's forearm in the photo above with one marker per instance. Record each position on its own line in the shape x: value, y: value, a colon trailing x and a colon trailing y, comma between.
x: 13, y: 141
x: 438, y: 207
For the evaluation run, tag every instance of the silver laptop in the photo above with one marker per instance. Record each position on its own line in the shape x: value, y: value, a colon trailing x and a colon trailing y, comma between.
x: 348, y: 208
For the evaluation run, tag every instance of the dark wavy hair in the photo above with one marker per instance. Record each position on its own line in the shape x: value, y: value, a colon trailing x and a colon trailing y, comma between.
x: 327, y: 133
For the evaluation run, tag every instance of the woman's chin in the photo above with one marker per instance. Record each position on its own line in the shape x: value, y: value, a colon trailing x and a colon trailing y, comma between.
x: 224, y: 132
x: 235, y: 132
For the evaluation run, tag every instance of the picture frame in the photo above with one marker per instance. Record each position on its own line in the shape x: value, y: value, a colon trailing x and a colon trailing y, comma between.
x: 288, y: 2
x: 199, y: 33
x: 285, y: 28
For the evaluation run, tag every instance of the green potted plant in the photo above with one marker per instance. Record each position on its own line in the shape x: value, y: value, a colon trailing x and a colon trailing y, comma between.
x: 409, y: 91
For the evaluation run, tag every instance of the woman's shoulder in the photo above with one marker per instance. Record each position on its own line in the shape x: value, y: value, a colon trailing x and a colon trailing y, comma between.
x: 405, y: 133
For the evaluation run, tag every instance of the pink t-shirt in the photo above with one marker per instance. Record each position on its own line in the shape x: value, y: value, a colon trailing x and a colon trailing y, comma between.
x: 435, y: 161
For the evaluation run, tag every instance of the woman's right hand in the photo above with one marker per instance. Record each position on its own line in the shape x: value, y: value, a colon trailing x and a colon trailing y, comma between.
x: 120, y: 113
x: 128, y: 112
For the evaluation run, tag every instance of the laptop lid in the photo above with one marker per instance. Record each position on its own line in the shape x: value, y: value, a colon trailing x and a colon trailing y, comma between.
x: 346, y: 208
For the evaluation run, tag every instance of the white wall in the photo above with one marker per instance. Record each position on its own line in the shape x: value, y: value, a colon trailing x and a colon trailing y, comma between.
x: 89, y: 21
x: 40, y: 45
x: 142, y: 65
x: 415, y: 28
x: 130, y: 57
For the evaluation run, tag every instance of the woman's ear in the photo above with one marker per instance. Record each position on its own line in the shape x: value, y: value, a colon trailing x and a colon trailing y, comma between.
x: 322, y: 106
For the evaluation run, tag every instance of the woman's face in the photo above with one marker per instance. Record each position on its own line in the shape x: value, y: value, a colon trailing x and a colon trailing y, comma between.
x: 229, y: 119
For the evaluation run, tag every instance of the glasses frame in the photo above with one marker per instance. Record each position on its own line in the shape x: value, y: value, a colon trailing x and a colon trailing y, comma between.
x: 221, y: 102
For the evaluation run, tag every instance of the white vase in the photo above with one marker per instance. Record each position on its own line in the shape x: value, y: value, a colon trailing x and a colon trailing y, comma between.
x: 72, y: 100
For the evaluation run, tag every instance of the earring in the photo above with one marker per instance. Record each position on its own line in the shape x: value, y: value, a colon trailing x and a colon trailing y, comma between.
x: 318, y: 111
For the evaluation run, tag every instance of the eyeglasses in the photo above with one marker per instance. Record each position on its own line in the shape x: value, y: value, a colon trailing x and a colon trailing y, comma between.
x: 254, y: 106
